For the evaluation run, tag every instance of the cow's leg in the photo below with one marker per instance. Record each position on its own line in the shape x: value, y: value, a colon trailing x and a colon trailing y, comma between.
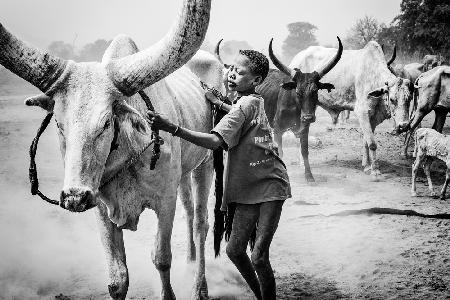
x: 426, y: 168
x: 162, y: 253
x: 407, y: 139
x: 185, y: 192
x: 278, y: 138
x: 415, y: 167
x: 365, y: 158
x: 447, y: 181
x: 201, y: 178
x: 303, y: 134
x: 112, y: 239
x: 369, y: 138
x: 439, y: 120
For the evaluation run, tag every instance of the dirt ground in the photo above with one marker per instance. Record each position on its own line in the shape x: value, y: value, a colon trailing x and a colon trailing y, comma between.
x: 50, y: 253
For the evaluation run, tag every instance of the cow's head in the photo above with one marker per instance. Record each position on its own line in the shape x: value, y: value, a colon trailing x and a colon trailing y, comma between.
x: 306, y: 85
x: 88, y: 99
x: 397, y: 97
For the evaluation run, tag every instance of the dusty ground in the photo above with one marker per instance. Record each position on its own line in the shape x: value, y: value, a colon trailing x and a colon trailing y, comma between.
x: 48, y: 252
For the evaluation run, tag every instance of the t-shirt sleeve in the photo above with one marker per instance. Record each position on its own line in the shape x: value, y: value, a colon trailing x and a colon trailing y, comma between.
x: 230, y: 127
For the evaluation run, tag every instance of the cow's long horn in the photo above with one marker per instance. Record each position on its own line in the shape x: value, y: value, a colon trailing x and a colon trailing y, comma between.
x: 217, y: 51
x: 283, y: 68
x: 394, y: 54
x: 330, y: 65
x: 135, y: 72
x: 35, y: 66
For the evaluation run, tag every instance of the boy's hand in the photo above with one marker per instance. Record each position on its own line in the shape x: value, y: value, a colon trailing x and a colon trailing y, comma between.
x: 212, y: 98
x: 158, y: 121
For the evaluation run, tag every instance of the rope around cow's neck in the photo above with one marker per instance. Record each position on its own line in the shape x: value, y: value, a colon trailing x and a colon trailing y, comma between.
x: 32, y: 171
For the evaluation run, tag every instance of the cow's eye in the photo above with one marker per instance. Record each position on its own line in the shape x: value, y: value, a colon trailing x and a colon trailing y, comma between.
x: 59, y: 126
x: 107, y: 124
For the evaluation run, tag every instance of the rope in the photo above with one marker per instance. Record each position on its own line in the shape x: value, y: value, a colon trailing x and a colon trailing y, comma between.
x: 32, y: 171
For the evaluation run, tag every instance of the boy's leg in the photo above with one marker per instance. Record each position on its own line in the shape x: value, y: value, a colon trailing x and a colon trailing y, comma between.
x: 244, y: 222
x: 269, y: 216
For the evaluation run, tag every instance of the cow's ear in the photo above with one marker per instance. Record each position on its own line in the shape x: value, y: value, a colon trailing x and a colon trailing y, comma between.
x: 326, y: 86
x: 290, y: 85
x: 378, y: 92
x: 126, y: 113
x: 41, y: 100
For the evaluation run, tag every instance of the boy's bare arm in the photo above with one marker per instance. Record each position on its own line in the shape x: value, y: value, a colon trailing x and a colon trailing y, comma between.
x: 206, y: 140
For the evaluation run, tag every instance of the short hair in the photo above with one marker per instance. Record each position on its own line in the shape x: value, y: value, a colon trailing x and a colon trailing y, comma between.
x: 259, y: 64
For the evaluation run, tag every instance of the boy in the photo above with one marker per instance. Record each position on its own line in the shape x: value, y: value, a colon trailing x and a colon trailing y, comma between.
x: 256, y: 178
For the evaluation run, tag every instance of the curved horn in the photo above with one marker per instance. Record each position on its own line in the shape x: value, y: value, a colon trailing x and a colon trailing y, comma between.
x: 283, y: 68
x: 217, y: 51
x: 330, y: 65
x: 394, y: 54
x: 35, y: 66
x: 135, y: 72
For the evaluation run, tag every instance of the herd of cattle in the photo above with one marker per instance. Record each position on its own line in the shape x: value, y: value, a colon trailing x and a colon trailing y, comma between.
x: 96, y: 105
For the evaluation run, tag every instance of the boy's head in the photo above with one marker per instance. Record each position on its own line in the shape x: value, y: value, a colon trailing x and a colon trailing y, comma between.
x: 250, y: 68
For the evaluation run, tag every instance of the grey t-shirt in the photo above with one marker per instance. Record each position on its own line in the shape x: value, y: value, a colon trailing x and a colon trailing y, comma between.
x: 254, y: 172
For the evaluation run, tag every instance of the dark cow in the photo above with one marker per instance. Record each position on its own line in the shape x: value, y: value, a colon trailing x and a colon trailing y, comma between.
x: 290, y: 99
x: 433, y: 94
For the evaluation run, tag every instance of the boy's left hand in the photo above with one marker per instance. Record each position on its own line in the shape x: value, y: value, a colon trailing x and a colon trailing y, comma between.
x: 212, y: 98
x: 158, y: 121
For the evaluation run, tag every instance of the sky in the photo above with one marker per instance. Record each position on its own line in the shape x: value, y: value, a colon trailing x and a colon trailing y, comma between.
x: 146, y: 21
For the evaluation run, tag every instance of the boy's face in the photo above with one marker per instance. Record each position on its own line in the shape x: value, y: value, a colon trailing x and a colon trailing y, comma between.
x: 240, y: 78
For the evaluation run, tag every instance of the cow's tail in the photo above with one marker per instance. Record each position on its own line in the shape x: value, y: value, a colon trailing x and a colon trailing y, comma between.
x: 219, y: 215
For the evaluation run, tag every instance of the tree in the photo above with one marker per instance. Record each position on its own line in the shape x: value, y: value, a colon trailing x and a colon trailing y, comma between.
x: 424, y: 26
x: 364, y: 31
x: 93, y: 51
x: 301, y: 35
x: 62, y: 50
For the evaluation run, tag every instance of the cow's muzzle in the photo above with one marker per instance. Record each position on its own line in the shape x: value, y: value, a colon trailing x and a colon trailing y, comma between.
x: 77, y: 199
x: 402, y: 127
x: 308, y: 118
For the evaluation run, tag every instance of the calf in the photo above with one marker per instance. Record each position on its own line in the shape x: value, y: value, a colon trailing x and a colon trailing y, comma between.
x: 430, y: 144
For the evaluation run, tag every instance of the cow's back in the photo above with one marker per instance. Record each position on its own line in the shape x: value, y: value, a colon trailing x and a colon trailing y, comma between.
x: 412, y: 71
x: 432, y: 143
x: 357, y: 73
x: 181, y: 98
x: 342, y: 76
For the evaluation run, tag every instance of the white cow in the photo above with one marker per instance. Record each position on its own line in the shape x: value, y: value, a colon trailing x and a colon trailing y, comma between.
x: 92, y: 101
x: 363, y: 84
x: 430, y: 144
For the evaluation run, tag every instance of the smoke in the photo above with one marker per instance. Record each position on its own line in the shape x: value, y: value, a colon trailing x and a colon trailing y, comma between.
x: 47, y: 251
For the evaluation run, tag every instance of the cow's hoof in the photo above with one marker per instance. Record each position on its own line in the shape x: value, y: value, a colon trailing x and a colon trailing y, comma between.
x: 117, y: 292
x: 367, y: 170
x: 200, y: 293
x: 310, y: 178
x: 168, y: 295
x: 433, y: 195
x: 413, y: 194
x: 442, y: 197
x: 376, y: 175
